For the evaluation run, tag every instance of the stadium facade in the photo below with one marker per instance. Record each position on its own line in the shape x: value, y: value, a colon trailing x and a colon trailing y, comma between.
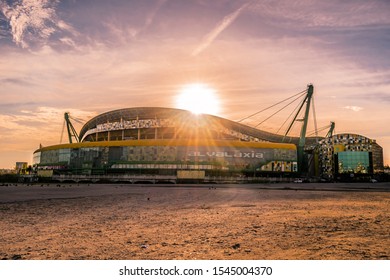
x: 158, y: 142
x: 136, y: 144
x: 349, y: 154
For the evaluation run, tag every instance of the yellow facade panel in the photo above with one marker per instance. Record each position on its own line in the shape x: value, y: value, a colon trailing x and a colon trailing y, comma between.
x: 173, y: 142
x: 338, y: 148
x: 191, y: 174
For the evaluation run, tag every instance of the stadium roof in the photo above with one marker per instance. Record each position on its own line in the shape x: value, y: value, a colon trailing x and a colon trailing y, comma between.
x: 179, y: 114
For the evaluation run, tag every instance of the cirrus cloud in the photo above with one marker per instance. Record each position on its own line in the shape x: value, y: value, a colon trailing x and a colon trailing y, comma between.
x: 33, y: 22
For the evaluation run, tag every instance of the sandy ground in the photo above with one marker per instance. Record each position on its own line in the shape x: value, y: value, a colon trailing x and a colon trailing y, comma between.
x: 280, y: 221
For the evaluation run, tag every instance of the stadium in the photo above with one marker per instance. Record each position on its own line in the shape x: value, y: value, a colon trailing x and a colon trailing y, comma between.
x: 166, y: 144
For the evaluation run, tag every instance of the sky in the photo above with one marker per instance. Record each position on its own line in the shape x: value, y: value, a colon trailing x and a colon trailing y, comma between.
x: 87, y: 57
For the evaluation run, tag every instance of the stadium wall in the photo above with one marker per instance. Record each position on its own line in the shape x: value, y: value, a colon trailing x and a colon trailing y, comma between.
x: 167, y: 157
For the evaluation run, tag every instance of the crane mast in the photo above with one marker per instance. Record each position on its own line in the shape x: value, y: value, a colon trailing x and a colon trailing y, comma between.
x: 331, y: 129
x: 302, y: 137
x: 72, y: 133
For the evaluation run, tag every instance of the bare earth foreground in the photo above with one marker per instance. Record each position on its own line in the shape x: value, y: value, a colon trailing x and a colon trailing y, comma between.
x: 275, y: 221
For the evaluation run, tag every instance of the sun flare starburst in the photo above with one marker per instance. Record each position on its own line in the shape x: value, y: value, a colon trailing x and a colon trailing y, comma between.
x: 199, y: 99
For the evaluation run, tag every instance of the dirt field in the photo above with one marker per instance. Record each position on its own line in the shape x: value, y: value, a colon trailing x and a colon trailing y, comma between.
x: 290, y: 221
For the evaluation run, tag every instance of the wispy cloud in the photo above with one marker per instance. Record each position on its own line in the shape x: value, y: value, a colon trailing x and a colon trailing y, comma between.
x: 221, y: 26
x: 3, y: 23
x: 33, y: 21
x: 16, y: 81
x: 35, y: 122
x: 152, y: 14
x: 123, y: 32
x: 306, y: 14
x: 353, y: 108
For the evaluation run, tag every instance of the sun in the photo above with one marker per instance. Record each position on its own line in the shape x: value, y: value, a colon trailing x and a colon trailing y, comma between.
x: 199, y: 99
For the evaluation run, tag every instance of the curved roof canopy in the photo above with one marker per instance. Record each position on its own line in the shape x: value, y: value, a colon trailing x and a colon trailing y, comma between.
x: 139, y: 113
